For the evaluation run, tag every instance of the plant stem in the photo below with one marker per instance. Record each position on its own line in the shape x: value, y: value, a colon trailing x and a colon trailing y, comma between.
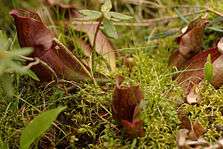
x: 94, y: 49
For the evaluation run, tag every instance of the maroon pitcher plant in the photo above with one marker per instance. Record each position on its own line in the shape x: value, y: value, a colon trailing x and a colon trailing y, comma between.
x: 126, y: 109
x: 54, y: 57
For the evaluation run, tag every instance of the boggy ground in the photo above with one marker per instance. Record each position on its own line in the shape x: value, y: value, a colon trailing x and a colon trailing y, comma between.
x: 88, y: 123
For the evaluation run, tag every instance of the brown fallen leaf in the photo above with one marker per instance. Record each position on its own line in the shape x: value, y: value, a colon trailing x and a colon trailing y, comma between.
x: 193, y: 95
x: 184, y: 142
x: 181, y: 138
x: 190, y: 43
x: 217, y: 80
x: 125, y: 108
x: 194, y: 72
x: 54, y: 55
x: 184, y: 120
x: 103, y: 45
x: 195, y: 129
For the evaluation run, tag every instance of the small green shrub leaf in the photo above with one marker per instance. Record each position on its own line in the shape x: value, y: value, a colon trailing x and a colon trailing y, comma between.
x: 208, y: 69
x: 110, y: 29
x: 32, y: 75
x: 38, y: 126
x: 90, y: 15
x: 107, y: 6
x: 120, y: 16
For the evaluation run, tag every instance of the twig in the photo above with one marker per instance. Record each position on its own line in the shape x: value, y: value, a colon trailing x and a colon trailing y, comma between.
x: 49, y: 68
x: 37, y: 61
x: 215, y: 12
x: 94, y: 48
x: 26, y: 58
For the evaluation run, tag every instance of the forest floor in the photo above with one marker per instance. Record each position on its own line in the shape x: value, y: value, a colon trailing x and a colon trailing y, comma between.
x: 87, y: 121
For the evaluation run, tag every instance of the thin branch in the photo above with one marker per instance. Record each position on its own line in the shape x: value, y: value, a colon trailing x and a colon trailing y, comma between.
x: 215, y: 12
x: 94, y: 48
x: 37, y: 61
x: 49, y: 68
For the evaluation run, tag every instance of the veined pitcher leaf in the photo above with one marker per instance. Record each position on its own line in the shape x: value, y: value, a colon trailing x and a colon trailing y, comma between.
x: 38, y: 126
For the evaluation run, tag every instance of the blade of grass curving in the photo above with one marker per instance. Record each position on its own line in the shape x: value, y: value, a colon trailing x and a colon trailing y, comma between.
x: 38, y: 126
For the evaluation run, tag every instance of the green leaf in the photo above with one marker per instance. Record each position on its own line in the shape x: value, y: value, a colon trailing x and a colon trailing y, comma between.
x: 110, y: 29
x: 3, y: 40
x: 217, y: 29
x: 107, y: 6
x: 32, y: 75
x: 120, y: 16
x: 38, y: 126
x: 6, y: 84
x: 181, y: 16
x: 2, y: 144
x: 90, y: 14
x: 208, y: 69
x: 20, y: 52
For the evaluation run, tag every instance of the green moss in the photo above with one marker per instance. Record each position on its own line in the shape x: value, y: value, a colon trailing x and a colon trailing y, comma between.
x: 88, y: 120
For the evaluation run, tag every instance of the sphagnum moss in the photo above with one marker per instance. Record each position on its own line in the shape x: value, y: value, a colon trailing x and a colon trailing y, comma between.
x: 88, y: 120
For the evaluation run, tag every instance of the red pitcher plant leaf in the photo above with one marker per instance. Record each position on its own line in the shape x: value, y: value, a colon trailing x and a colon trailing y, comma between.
x: 190, y: 42
x: 133, y: 129
x: 33, y: 33
x: 125, y: 108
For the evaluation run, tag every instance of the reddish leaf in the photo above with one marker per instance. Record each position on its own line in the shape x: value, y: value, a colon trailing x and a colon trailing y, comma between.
x: 176, y: 59
x: 103, y: 45
x: 218, y: 72
x: 185, y: 121
x: 190, y: 42
x: 33, y: 33
x: 194, y: 72
x: 195, y: 129
x: 218, y: 67
x: 125, y: 108
x: 133, y: 129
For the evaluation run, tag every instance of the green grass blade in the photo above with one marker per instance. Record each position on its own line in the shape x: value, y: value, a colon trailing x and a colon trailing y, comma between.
x: 38, y: 126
